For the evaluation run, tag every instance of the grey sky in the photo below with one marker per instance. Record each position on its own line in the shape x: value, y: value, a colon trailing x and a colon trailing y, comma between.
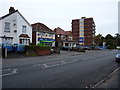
x: 59, y: 13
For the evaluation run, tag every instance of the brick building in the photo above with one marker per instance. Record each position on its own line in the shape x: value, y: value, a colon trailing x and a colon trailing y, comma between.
x: 83, y: 31
x: 43, y: 35
x: 64, y: 38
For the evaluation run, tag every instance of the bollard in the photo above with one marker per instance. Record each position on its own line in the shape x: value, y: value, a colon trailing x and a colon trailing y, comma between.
x: 5, y: 52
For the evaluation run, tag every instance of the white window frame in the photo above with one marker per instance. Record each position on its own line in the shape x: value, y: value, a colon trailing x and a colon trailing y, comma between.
x: 24, y: 29
x: 7, y: 27
x: 50, y: 35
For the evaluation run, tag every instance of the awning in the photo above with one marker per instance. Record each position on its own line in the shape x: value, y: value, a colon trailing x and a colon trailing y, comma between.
x: 24, y: 35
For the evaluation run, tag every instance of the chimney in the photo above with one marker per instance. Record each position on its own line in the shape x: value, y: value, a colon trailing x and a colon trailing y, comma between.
x: 83, y: 17
x: 11, y: 10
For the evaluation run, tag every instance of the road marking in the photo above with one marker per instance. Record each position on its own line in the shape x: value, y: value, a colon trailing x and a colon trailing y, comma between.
x: 92, y: 57
x: 52, y: 62
x: 46, y: 66
x: 71, y: 61
x: 14, y: 71
x: 37, y: 65
x: 57, y: 63
x: 85, y: 58
x: 63, y: 62
x: 5, y: 69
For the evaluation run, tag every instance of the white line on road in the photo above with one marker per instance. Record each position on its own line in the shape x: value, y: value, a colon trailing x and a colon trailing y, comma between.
x: 5, y: 69
x: 92, y: 57
x: 71, y: 61
x: 46, y: 66
x: 57, y: 63
x: 63, y: 62
x: 37, y: 65
x: 14, y: 71
x: 52, y: 62
x: 85, y: 58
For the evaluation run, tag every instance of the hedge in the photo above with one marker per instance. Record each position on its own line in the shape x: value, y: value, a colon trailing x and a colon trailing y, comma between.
x: 37, y: 47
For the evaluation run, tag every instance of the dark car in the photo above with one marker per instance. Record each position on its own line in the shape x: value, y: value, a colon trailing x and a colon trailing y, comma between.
x: 118, y: 56
x: 86, y: 48
x: 66, y: 48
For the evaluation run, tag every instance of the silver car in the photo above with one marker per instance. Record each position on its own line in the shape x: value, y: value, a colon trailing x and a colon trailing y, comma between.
x: 118, y: 56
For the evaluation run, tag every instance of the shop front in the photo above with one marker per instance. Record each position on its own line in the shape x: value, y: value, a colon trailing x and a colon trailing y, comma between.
x: 46, y: 41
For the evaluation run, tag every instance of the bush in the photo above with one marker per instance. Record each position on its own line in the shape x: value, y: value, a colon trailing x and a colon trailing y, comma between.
x: 37, y: 47
x: 41, y: 44
x: 32, y: 44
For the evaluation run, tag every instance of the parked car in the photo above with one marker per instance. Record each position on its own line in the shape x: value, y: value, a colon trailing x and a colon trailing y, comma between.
x: 118, y: 55
x: 66, y: 48
x: 19, y: 47
x: 86, y: 48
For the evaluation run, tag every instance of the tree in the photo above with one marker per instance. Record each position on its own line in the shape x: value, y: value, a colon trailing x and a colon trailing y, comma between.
x: 117, y: 38
x: 110, y: 41
x: 99, y: 40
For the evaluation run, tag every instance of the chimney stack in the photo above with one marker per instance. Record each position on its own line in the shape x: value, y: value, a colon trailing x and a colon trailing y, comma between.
x: 11, y: 10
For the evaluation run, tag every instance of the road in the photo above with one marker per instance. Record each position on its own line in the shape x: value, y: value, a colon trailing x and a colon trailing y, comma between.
x: 65, y: 70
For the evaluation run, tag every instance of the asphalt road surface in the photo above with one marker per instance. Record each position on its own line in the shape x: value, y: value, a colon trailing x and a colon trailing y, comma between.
x: 65, y: 70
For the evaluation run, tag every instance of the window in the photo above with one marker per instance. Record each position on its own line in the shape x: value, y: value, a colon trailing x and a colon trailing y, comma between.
x: 70, y: 38
x: 24, y: 29
x: 81, y: 23
x: 81, y: 30
x: 24, y: 41
x: 7, y: 27
x: 42, y: 33
x: 63, y: 37
x: 50, y: 35
x: 81, y: 26
x: 82, y: 34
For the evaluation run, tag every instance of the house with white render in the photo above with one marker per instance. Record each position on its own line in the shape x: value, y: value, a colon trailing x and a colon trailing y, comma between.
x: 15, y: 29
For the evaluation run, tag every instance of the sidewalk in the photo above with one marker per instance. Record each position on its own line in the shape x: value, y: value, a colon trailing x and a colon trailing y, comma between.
x: 112, y: 81
x: 22, y: 55
x: 62, y: 53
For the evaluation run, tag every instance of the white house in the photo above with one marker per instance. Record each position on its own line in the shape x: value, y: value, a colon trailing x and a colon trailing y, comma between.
x: 14, y: 28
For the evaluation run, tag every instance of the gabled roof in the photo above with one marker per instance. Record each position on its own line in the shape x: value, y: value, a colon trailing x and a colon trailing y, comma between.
x: 59, y: 31
x: 68, y: 33
x: 13, y: 13
x: 41, y: 27
x: 24, y: 35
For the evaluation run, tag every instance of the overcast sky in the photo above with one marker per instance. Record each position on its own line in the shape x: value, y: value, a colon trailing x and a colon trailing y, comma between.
x: 59, y: 13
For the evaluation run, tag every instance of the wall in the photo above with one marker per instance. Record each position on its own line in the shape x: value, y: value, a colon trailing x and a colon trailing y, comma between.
x: 11, y: 19
x: 75, y: 29
x: 21, y: 22
x: 1, y: 31
x: 89, y: 27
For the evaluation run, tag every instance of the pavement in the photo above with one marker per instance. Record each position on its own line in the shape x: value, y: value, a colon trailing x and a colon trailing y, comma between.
x: 111, y: 81
x: 22, y: 55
